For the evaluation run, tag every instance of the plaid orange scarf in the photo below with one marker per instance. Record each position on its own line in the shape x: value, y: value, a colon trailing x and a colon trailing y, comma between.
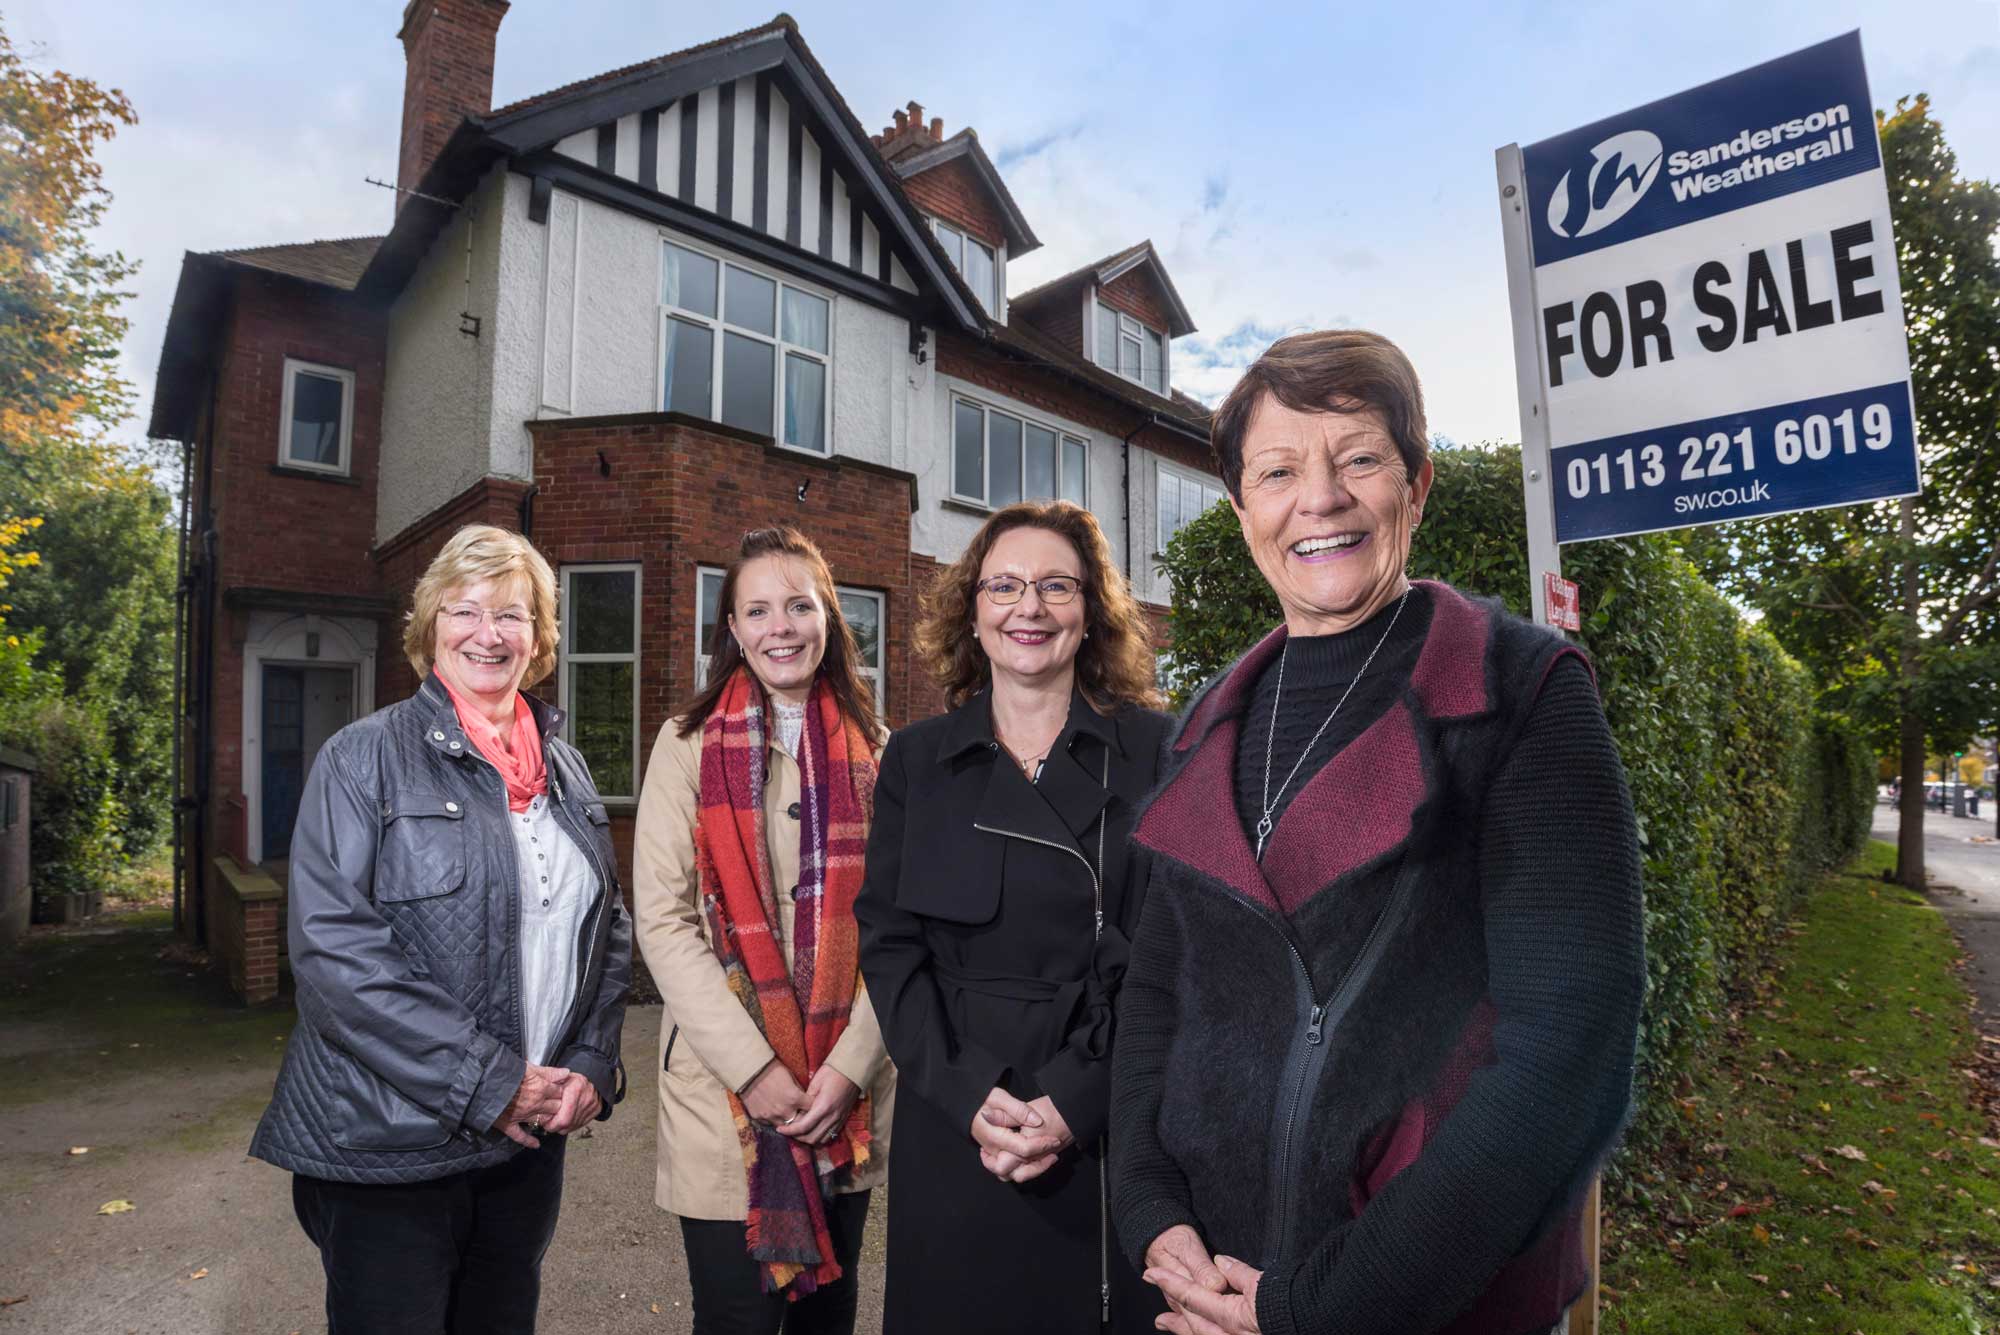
x: 803, y: 1011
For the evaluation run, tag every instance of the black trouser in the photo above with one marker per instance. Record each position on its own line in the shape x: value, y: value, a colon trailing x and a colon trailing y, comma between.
x: 459, y: 1254
x: 729, y: 1297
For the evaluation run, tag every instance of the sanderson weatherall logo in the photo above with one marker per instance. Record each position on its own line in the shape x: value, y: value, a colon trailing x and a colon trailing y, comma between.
x: 1623, y: 168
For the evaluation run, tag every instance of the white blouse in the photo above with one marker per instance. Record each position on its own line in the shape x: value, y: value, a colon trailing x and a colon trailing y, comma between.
x: 557, y: 885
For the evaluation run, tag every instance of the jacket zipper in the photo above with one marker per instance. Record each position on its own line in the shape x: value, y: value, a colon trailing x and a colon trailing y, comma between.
x: 1096, y: 934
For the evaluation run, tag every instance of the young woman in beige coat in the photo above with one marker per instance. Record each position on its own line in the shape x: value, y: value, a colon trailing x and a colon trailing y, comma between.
x: 735, y: 1097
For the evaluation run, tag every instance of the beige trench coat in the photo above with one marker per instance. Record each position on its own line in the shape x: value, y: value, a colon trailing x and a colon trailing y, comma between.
x: 709, y: 1044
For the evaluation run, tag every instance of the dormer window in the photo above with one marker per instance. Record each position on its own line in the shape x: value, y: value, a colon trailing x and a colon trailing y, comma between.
x: 975, y: 260
x: 1130, y: 349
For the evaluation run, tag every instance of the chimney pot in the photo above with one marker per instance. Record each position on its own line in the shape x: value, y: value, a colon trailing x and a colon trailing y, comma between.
x: 916, y: 113
x: 902, y: 120
x: 937, y: 128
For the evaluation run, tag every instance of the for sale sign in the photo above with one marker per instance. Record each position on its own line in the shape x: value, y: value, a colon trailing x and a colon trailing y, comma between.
x: 1716, y: 304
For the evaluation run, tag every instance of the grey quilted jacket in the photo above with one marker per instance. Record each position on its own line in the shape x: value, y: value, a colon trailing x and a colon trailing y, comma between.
x: 405, y: 947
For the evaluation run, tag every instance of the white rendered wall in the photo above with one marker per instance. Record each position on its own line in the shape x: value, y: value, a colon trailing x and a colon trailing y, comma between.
x: 437, y: 419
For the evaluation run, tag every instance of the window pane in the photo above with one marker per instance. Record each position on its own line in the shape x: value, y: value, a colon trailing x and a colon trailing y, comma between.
x: 1128, y: 358
x: 1072, y: 469
x: 1170, y: 507
x: 805, y: 402
x: 979, y: 273
x: 1107, y: 337
x: 1041, y: 459
x: 949, y: 239
x: 600, y: 611
x: 1210, y: 498
x: 864, y: 618
x: 707, y: 594
x: 690, y: 374
x: 315, y: 419
x: 687, y: 280
x: 747, y: 370
x: 1004, y: 439
x: 750, y: 301
x: 1150, y: 368
x: 968, y: 453
x: 602, y: 723
x: 805, y: 320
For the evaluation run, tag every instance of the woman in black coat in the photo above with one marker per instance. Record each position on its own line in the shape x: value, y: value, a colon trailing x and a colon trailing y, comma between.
x: 1000, y: 898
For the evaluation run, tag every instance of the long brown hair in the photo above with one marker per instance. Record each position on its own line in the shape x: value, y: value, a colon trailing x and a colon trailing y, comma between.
x: 1114, y: 665
x: 837, y: 665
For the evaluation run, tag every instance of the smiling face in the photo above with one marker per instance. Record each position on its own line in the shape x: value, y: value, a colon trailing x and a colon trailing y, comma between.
x: 482, y: 661
x: 1332, y: 545
x: 1031, y: 642
x: 780, y: 623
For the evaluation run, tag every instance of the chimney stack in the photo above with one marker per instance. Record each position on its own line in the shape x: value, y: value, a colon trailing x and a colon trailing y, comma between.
x: 447, y: 76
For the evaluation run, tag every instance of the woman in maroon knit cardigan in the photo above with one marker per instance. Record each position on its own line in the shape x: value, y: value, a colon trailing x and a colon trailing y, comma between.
x: 1378, y: 1027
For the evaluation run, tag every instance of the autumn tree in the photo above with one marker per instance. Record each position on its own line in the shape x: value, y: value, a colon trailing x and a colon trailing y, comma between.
x: 94, y: 606
x: 1896, y: 605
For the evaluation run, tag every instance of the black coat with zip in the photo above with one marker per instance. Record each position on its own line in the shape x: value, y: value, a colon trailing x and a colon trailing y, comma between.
x: 983, y: 956
x: 405, y: 944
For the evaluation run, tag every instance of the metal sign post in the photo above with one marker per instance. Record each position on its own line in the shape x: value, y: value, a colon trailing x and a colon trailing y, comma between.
x: 1544, y: 558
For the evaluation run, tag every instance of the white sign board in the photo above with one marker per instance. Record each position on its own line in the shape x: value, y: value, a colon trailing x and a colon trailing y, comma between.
x: 1716, y: 319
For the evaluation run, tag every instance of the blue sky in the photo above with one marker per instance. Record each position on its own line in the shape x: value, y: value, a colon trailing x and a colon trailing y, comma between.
x: 1296, y: 166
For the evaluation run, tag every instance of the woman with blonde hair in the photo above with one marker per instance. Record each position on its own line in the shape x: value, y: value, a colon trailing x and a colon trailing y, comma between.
x: 462, y: 956
x: 994, y: 922
x: 774, y: 1094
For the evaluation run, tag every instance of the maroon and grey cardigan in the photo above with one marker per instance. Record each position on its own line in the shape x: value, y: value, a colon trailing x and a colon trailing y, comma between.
x: 1382, y: 1065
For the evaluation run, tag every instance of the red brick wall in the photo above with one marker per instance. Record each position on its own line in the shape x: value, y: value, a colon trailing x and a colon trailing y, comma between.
x: 953, y: 191
x: 448, y: 74
x: 1138, y: 293
x: 287, y: 530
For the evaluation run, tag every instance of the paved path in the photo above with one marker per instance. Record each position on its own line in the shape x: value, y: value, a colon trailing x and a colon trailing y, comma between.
x: 1965, y: 886
x: 170, y: 1138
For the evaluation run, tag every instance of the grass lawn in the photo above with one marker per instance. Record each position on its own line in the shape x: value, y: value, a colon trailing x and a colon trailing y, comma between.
x: 1829, y: 1171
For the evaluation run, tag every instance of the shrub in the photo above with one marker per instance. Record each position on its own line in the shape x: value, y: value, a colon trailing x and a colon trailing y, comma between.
x: 1742, y: 794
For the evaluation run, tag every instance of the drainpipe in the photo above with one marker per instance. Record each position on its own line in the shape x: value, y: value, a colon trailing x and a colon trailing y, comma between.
x: 1125, y: 462
x: 181, y: 605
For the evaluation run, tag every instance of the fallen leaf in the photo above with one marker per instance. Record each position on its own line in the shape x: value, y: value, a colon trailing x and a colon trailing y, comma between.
x: 656, y: 1309
x: 1761, y: 1279
x: 116, y: 1207
x: 1761, y: 1233
x: 1849, y: 1152
x: 9, y: 1302
x: 200, y: 1274
x: 79, y: 1149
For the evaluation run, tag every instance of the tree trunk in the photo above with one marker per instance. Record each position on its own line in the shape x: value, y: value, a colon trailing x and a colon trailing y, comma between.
x: 1910, y: 827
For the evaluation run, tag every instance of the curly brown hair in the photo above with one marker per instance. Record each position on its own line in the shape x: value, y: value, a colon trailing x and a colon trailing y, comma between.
x: 1114, y: 666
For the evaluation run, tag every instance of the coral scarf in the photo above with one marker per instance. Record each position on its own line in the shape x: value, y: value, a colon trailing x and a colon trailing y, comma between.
x: 804, y: 1011
x: 521, y: 766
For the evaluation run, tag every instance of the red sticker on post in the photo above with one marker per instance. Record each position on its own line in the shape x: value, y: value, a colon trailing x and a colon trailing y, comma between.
x: 1565, y: 605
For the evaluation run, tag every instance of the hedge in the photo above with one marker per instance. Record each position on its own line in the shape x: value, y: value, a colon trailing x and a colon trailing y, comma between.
x: 1744, y: 795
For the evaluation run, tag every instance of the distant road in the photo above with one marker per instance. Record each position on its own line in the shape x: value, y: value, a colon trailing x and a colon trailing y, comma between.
x: 1965, y: 886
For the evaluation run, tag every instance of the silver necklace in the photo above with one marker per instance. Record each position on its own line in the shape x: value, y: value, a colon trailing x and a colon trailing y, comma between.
x: 1265, y: 821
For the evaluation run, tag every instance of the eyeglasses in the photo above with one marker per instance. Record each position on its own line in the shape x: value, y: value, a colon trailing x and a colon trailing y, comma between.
x: 1008, y: 589
x: 466, y: 617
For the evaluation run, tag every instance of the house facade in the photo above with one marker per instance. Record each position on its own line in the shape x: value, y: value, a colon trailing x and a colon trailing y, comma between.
x: 630, y: 318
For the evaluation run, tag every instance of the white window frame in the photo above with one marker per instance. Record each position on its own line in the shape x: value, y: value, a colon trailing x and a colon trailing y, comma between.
x: 294, y: 366
x: 718, y: 326
x: 569, y: 658
x: 952, y: 236
x: 1182, y: 477
x: 877, y: 675
x: 1130, y: 330
x: 986, y: 411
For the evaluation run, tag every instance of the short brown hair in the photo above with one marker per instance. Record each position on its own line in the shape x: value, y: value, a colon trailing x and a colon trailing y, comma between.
x: 1114, y: 666
x: 840, y: 664
x: 476, y: 552
x: 1327, y: 371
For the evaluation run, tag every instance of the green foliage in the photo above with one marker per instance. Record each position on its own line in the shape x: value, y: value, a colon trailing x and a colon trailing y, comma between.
x: 1742, y: 796
x: 76, y: 840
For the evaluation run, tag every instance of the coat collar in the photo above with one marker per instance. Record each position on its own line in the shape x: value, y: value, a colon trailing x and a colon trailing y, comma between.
x: 1359, y: 806
x: 970, y: 726
x: 442, y: 732
x: 1077, y: 783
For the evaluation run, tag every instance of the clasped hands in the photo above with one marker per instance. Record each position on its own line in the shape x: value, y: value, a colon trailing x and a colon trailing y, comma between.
x: 1207, y: 1296
x: 813, y: 1115
x: 550, y: 1099
x: 1018, y: 1142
